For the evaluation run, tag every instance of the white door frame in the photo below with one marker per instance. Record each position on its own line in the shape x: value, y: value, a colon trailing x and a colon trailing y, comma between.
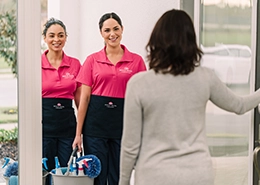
x: 29, y: 92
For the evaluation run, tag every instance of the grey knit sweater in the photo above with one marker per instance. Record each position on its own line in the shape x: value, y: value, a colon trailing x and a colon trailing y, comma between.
x: 164, y: 137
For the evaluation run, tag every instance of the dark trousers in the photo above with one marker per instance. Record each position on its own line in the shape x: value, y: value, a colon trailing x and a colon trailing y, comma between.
x: 60, y: 147
x: 108, y: 152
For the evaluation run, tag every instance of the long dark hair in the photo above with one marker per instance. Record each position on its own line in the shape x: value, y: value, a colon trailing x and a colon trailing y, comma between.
x: 172, y: 46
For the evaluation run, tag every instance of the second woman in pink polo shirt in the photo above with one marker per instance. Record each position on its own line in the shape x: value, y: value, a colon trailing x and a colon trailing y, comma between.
x: 104, y: 76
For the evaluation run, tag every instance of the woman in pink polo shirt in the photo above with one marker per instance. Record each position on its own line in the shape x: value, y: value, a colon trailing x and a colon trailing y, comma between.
x: 104, y: 76
x: 59, y: 88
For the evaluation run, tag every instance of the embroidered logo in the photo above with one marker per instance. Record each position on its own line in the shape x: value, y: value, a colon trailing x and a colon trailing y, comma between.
x: 68, y: 76
x: 110, y: 105
x: 58, y: 106
x: 125, y: 70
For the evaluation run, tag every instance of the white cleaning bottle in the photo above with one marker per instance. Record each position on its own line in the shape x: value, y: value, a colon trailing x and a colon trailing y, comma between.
x: 80, y: 168
x: 57, y: 167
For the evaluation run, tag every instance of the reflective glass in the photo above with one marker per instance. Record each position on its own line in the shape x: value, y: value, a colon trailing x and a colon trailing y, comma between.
x: 225, y: 39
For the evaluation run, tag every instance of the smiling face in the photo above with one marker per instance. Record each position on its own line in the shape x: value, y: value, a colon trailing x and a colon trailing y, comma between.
x: 111, y: 31
x: 55, y: 38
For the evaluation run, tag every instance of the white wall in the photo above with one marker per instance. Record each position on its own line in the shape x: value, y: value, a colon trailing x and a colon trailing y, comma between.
x: 82, y: 16
x: 69, y: 13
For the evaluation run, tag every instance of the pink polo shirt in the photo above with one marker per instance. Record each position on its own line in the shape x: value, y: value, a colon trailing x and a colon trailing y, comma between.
x: 107, y: 79
x: 60, y: 83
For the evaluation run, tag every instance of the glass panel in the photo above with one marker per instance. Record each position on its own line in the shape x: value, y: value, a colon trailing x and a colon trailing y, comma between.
x: 8, y: 87
x: 8, y: 83
x: 226, y: 41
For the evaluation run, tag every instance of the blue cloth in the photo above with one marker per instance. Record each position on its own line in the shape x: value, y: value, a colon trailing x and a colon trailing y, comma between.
x: 93, y: 168
x: 12, y: 169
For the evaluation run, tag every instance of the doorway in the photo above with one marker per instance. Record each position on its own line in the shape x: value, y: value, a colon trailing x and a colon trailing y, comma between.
x: 224, y: 29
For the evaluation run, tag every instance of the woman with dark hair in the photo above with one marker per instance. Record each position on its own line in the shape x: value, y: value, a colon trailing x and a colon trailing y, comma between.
x: 164, y: 136
x: 59, y: 89
x: 104, y: 75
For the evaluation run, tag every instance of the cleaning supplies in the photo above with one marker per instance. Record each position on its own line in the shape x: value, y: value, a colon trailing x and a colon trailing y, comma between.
x: 57, y: 167
x: 70, y: 160
x: 74, y: 167
x: 7, y: 161
x: 80, y: 167
x: 44, y: 170
x: 11, y: 170
x: 44, y: 163
x: 86, y: 162
x: 92, y: 165
x: 13, y: 180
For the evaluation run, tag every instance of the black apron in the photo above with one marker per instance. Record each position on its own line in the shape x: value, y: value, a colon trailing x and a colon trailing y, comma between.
x: 104, y: 117
x: 58, y: 118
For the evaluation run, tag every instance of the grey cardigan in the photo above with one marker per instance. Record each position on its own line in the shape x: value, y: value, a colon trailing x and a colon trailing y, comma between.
x: 164, y: 137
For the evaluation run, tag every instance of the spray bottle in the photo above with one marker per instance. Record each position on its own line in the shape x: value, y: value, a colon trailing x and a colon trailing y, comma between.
x: 69, y: 170
x: 80, y: 167
x: 92, y: 166
x: 45, y: 163
x: 86, y: 162
x: 57, y: 167
x: 74, y: 167
x: 7, y: 161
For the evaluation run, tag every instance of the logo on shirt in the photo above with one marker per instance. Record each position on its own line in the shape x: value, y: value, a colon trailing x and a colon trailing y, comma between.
x: 68, y: 76
x: 110, y: 105
x: 58, y: 106
x: 125, y: 70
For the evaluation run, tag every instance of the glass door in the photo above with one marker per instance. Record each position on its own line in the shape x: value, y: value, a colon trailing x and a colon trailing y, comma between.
x: 256, y: 174
x: 224, y: 29
x: 225, y: 38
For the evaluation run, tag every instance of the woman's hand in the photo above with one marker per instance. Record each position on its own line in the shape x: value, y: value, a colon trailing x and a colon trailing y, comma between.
x: 77, y: 142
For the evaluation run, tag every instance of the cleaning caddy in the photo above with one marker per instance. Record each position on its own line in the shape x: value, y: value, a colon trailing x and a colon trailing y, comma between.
x: 11, y: 171
x: 80, y: 171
